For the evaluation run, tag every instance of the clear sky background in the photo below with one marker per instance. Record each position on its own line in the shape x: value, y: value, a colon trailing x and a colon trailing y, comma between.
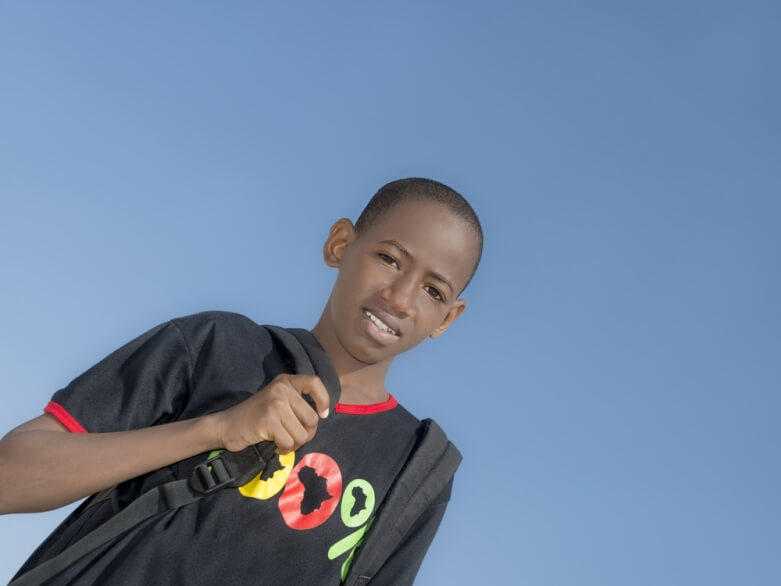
x: 614, y: 383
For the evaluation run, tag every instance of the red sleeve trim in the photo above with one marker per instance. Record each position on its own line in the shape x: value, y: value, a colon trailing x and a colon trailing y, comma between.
x: 390, y: 403
x: 61, y: 415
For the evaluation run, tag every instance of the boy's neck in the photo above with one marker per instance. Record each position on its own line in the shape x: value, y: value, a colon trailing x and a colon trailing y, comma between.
x: 355, y: 393
x: 362, y: 384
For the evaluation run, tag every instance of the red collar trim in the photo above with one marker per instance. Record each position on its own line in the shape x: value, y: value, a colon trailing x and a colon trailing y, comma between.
x: 386, y: 405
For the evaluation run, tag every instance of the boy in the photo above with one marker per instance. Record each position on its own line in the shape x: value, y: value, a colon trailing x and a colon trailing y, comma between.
x: 152, y: 411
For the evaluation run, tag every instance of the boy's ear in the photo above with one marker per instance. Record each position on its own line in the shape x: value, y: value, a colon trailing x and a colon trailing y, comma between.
x: 342, y: 233
x: 458, y: 308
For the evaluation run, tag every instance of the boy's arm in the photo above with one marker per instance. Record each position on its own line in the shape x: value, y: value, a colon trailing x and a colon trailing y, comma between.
x: 43, y: 466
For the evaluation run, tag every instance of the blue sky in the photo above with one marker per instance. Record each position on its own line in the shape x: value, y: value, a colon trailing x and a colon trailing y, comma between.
x: 614, y: 383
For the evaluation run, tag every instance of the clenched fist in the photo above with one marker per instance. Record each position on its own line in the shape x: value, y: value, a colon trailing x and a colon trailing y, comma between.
x: 278, y: 413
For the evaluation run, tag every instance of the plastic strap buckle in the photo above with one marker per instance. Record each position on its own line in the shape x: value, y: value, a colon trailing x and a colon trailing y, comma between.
x: 211, y: 476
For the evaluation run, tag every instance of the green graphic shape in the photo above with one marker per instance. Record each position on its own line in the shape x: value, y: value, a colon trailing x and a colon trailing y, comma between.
x: 351, y: 542
x: 357, y: 489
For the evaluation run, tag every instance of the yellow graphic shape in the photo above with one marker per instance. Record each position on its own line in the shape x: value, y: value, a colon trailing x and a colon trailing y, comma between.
x: 257, y: 488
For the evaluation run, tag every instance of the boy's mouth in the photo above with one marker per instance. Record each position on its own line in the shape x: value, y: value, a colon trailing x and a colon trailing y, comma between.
x: 380, y: 325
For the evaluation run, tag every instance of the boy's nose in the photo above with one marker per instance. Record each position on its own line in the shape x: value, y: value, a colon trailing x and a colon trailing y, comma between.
x: 398, y: 295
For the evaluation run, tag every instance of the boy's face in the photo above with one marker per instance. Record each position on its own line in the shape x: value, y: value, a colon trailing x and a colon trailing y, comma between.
x: 399, y: 280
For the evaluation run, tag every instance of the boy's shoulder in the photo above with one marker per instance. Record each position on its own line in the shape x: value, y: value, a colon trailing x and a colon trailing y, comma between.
x: 213, y: 325
x: 226, y: 343
x: 215, y: 317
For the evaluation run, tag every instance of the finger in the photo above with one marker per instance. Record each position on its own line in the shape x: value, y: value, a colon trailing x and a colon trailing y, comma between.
x: 304, y: 412
x: 297, y: 432
x: 284, y: 441
x: 314, y: 388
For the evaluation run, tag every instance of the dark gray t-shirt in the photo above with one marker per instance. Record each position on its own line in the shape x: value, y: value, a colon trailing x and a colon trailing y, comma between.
x: 299, y: 522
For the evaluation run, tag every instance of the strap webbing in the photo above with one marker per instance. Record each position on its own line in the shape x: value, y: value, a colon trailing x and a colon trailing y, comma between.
x: 427, y: 472
x: 227, y: 469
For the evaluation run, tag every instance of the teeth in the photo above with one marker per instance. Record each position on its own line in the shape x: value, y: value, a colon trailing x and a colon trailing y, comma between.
x: 379, y: 323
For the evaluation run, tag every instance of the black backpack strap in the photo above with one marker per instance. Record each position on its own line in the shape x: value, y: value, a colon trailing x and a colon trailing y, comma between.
x: 225, y: 470
x: 306, y: 356
x: 429, y: 469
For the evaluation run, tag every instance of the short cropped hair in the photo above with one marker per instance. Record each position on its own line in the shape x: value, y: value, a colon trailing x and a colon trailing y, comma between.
x: 395, y: 192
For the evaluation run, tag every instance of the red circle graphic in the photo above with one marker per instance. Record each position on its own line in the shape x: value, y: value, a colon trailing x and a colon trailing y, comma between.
x: 312, y: 492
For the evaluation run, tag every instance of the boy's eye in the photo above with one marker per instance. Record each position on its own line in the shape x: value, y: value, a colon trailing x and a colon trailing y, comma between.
x: 388, y: 259
x: 434, y: 292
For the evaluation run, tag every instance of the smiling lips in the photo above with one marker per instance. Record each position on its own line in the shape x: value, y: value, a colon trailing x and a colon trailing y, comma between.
x: 380, y: 330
